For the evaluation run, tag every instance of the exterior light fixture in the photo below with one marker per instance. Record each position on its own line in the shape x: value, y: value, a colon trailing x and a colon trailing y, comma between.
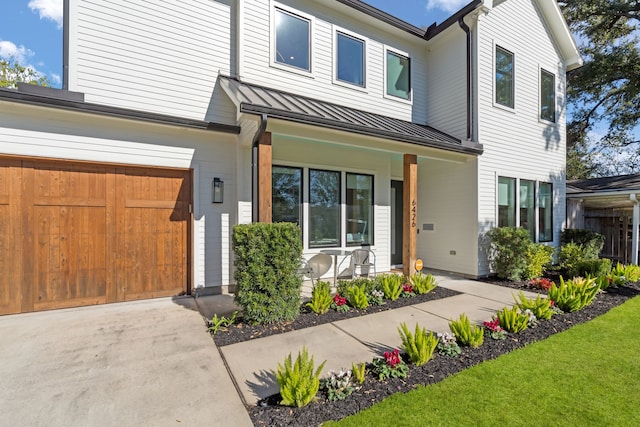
x: 217, y: 190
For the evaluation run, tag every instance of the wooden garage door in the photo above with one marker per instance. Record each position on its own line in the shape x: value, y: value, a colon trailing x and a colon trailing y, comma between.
x: 81, y: 234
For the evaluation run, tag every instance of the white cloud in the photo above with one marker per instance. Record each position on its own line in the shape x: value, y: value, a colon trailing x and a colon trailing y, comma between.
x: 17, y: 53
x: 48, y: 9
x: 55, y: 79
x: 446, y: 5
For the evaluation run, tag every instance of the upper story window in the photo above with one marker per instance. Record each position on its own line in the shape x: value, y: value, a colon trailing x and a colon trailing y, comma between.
x: 350, y: 59
x: 504, y: 77
x: 547, y: 96
x: 398, y: 71
x: 292, y: 40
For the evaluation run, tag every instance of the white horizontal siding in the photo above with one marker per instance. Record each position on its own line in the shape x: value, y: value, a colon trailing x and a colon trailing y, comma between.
x: 256, y: 53
x: 516, y: 143
x: 160, y: 56
x: 73, y: 136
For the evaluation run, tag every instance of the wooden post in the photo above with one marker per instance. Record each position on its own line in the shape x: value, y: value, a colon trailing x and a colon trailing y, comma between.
x: 265, y: 183
x: 410, y: 214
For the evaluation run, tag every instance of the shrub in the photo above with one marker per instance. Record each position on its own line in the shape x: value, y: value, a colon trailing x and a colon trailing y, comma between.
x: 357, y: 297
x: 632, y: 273
x: 338, y: 385
x: 392, y: 366
x: 569, y: 257
x: 419, y: 346
x: 574, y: 294
x: 392, y: 285
x: 467, y: 334
x: 298, y: 382
x: 590, y: 241
x: 542, y: 283
x: 359, y: 371
x: 593, y: 267
x: 540, y: 307
x: 320, y: 298
x: 423, y: 284
x: 266, y: 260
x: 512, y: 319
x: 510, y: 248
x: 539, y: 257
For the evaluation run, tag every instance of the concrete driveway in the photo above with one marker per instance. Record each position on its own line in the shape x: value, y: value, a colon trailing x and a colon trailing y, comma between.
x: 130, y: 364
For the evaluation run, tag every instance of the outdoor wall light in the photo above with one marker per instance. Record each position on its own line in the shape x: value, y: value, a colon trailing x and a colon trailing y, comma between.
x: 217, y: 190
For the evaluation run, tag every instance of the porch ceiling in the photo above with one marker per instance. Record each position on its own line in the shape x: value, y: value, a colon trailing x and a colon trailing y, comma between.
x: 254, y: 99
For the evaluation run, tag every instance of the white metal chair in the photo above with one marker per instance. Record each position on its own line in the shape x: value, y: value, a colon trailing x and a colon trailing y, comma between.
x: 315, y: 267
x: 363, y: 263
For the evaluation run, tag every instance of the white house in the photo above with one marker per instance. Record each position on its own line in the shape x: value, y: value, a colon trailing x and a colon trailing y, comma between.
x: 179, y: 119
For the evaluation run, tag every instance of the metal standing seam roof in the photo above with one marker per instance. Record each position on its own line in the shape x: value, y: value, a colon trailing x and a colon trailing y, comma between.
x: 605, y: 184
x: 254, y: 99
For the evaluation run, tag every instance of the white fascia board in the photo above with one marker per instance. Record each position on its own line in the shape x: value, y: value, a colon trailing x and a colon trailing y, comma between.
x: 560, y: 29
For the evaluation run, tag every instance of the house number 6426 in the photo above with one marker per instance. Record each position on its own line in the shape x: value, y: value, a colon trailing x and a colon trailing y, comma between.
x: 414, y: 210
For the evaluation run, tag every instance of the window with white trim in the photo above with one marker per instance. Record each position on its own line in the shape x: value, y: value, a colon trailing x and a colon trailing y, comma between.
x: 534, y: 202
x: 504, y: 82
x: 547, y: 96
x: 350, y: 59
x: 398, y: 75
x: 292, y: 45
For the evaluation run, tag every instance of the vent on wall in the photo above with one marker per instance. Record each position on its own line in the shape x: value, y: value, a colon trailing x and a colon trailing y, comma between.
x: 428, y: 227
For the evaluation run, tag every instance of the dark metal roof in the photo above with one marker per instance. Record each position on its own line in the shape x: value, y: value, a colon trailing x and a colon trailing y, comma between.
x: 609, y: 183
x: 254, y: 99
x: 384, y: 17
x: 434, y: 29
x: 74, y: 101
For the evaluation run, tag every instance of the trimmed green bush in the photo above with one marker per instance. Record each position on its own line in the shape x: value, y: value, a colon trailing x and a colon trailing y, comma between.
x: 298, y: 381
x: 510, y: 248
x: 267, y: 257
x: 569, y: 257
x: 590, y: 241
x: 594, y: 267
x: 539, y: 257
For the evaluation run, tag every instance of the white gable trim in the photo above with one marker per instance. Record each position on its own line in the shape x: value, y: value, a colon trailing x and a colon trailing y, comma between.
x: 560, y: 30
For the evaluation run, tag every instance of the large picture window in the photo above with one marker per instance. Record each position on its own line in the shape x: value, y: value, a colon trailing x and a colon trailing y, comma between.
x: 504, y: 77
x: 547, y: 96
x: 287, y: 194
x: 398, y: 75
x: 324, y: 208
x: 545, y: 214
x: 528, y: 207
x: 350, y: 59
x: 359, y: 206
x: 292, y: 40
x: 506, y: 202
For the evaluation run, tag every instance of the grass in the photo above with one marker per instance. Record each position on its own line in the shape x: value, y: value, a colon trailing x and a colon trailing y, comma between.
x: 586, y: 376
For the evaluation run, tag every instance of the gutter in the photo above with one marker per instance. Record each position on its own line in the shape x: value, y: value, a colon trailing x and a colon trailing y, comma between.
x: 434, y: 29
x: 467, y: 30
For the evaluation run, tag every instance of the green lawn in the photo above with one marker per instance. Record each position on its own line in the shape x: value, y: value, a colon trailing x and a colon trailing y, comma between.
x: 586, y: 376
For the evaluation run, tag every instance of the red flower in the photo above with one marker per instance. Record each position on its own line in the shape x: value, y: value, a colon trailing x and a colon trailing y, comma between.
x: 493, y: 325
x: 339, y: 301
x: 407, y: 288
x: 393, y: 358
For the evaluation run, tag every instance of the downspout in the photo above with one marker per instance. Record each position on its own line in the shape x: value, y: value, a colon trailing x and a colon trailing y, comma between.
x: 467, y: 30
x: 634, y: 234
x: 254, y: 166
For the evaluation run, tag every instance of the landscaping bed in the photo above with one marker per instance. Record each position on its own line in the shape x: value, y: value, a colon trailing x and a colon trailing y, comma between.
x: 269, y: 413
x: 240, y: 331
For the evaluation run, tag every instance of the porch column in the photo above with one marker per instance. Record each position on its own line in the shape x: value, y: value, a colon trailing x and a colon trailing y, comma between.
x: 410, y: 214
x: 634, y: 234
x: 265, y: 183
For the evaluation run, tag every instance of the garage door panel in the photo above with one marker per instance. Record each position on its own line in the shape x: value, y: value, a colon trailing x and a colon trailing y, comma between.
x: 11, y: 234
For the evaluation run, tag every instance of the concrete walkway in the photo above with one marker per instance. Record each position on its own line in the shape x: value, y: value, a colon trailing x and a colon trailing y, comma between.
x: 144, y: 363
x: 252, y: 363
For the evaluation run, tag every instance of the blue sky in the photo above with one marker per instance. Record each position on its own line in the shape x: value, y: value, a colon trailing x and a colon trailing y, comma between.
x: 31, y: 30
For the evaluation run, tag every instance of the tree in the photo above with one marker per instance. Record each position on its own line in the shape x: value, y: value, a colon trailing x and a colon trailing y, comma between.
x: 603, y: 95
x: 12, y: 73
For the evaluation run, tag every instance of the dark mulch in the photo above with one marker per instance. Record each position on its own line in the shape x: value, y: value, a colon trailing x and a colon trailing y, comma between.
x: 270, y: 413
x: 241, y: 331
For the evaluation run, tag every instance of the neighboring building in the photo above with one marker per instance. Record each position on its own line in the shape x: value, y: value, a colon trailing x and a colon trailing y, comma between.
x: 365, y: 130
x: 609, y: 206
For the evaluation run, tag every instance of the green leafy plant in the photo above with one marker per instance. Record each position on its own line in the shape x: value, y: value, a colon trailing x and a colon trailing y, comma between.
x: 369, y: 285
x: 447, y: 344
x: 299, y: 382
x: 616, y: 276
x: 222, y: 323
x: 391, y: 366
x: 539, y: 257
x: 266, y: 271
x: 512, y: 319
x: 494, y: 330
x: 339, y: 303
x: 593, y: 267
x: 540, y: 307
x: 509, y: 252
x: 357, y: 297
x: 419, y: 345
x: 574, y: 294
x: 632, y: 272
x: 359, y: 371
x: 392, y: 285
x: 407, y: 291
x: 338, y: 385
x: 376, y: 297
x: 569, y: 257
x: 423, y: 283
x: 465, y: 333
x: 590, y: 242
x: 320, y: 298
